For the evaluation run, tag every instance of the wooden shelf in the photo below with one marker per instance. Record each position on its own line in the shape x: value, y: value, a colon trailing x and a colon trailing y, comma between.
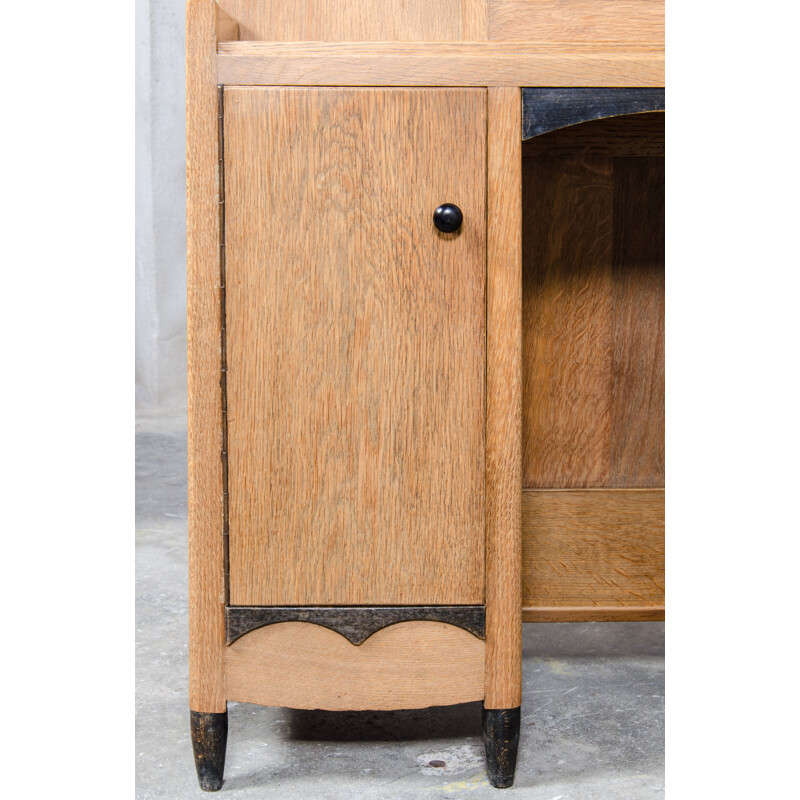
x: 608, y: 64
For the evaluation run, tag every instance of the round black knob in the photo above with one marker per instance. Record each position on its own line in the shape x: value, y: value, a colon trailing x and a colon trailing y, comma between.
x: 448, y: 218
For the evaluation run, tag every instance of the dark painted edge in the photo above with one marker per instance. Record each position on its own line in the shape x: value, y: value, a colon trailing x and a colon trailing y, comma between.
x: 223, y: 374
x: 209, y: 742
x: 501, y: 740
x: 548, y: 109
x: 355, y: 623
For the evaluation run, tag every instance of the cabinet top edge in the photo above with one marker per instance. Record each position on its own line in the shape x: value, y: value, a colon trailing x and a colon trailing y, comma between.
x: 349, y: 49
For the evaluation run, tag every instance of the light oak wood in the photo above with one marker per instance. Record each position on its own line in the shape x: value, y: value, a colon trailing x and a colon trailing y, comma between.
x: 474, y: 20
x: 206, y: 554
x: 621, y: 21
x: 356, y: 20
x: 408, y: 665
x: 227, y: 27
x: 594, y: 614
x: 438, y: 64
x: 503, y: 401
x: 356, y: 346
x: 587, y: 554
x: 593, y: 321
x: 396, y: 50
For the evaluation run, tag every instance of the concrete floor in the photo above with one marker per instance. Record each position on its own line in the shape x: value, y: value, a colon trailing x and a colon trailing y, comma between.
x: 592, y: 709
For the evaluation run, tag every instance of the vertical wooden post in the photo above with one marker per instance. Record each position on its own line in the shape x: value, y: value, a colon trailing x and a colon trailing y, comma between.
x: 206, y: 551
x: 504, y: 400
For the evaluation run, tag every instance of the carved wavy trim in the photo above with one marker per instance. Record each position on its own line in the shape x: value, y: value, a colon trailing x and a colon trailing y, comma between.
x: 545, y: 110
x: 355, y: 623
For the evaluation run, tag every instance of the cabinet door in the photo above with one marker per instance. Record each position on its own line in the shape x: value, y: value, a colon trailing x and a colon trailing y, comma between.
x: 355, y: 345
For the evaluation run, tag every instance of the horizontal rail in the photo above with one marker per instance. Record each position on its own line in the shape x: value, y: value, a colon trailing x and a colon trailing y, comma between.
x: 438, y: 64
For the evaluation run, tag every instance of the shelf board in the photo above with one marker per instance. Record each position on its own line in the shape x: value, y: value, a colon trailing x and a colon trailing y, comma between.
x: 607, y: 64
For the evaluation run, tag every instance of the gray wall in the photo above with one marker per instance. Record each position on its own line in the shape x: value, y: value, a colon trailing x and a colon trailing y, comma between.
x: 160, y: 208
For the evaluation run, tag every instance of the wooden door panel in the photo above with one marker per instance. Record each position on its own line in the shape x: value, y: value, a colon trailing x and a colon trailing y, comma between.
x: 355, y: 337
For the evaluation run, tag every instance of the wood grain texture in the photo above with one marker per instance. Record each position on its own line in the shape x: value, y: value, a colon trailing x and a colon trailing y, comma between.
x: 637, y: 411
x: 567, y: 318
x: 616, y: 137
x: 503, y: 401
x: 206, y: 553
x: 352, y: 20
x: 408, y: 665
x: 593, y: 322
x: 356, y: 346
x: 474, y: 20
x: 593, y: 613
x: 438, y: 64
x: 599, y: 549
x: 396, y: 50
x: 227, y: 27
x: 622, y: 21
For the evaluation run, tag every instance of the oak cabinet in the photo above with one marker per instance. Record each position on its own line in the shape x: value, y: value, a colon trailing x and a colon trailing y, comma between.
x: 425, y: 356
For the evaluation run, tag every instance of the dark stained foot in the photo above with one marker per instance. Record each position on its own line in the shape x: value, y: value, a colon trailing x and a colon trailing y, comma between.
x: 209, y: 738
x: 501, y: 739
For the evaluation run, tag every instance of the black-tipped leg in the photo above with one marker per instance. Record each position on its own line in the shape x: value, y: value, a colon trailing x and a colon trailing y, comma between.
x: 209, y: 738
x: 501, y: 739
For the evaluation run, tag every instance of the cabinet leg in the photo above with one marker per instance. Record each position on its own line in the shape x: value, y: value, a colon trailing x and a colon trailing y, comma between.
x: 501, y: 739
x: 209, y: 738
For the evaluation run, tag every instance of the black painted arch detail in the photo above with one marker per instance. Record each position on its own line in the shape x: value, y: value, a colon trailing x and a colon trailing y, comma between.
x: 545, y: 110
x: 355, y: 623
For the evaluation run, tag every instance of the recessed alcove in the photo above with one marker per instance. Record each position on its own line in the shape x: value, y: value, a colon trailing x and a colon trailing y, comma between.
x: 593, y: 368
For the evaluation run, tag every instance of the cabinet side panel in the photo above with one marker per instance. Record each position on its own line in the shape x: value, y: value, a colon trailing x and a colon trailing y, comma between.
x: 356, y: 338
x: 206, y: 554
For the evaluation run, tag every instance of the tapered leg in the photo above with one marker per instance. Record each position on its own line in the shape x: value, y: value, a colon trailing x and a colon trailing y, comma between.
x: 501, y: 739
x: 209, y: 738
x: 503, y: 684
